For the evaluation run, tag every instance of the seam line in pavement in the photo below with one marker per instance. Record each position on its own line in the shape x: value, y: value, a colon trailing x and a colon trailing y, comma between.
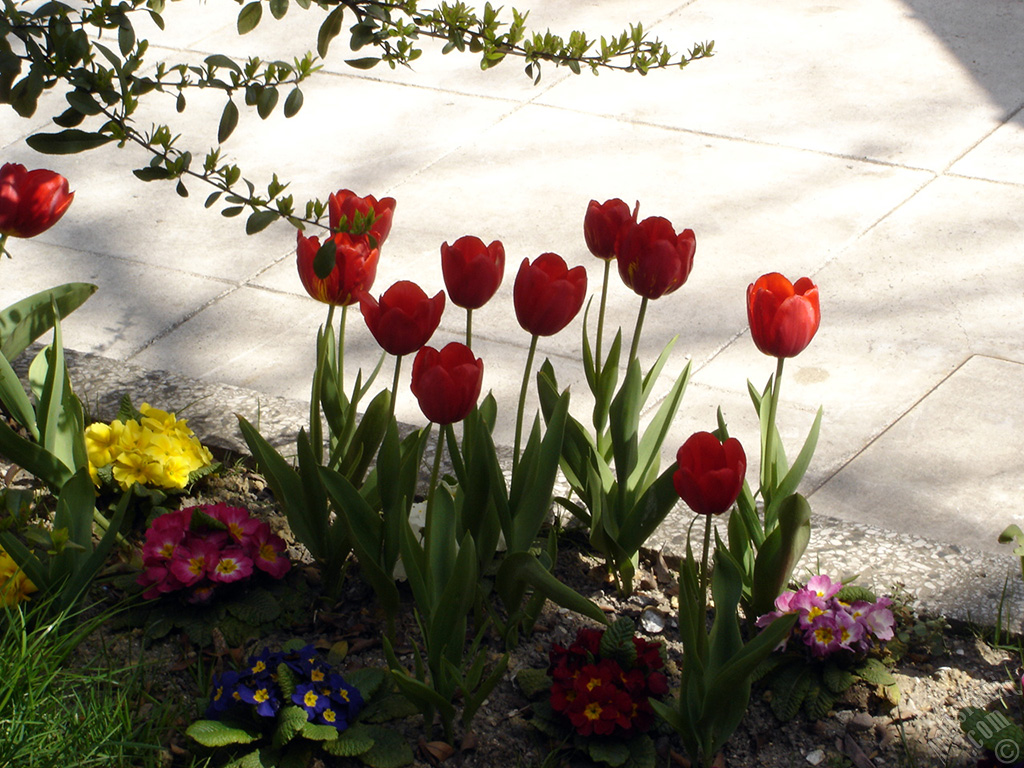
x: 874, y: 438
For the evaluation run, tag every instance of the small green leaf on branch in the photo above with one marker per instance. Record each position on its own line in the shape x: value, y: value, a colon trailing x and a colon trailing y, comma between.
x: 249, y: 17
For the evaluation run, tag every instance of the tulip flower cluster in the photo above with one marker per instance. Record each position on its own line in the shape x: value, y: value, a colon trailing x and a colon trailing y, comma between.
x: 157, y: 449
x: 359, y: 227
x: 198, y: 548
x: 828, y: 625
x: 276, y: 679
x: 15, y: 586
x: 600, y: 697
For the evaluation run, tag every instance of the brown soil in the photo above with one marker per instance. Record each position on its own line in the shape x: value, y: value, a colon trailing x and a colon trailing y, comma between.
x: 862, y: 730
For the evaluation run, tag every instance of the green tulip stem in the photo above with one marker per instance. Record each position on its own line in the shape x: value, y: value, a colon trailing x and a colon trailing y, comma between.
x: 600, y: 316
x: 434, y: 473
x: 469, y: 328
x: 522, y: 401
x: 316, y: 436
x: 341, y: 349
x: 104, y: 525
x: 394, y: 388
x: 3, y: 246
x: 636, y: 331
x: 770, y: 480
x: 704, y: 566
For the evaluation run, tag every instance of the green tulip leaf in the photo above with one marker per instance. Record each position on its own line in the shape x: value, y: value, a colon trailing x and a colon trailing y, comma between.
x: 25, y: 321
x: 780, y: 552
x: 524, y: 567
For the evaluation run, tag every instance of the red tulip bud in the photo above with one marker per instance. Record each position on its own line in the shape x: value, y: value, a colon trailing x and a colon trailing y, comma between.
x: 547, y: 294
x: 31, y: 201
x: 447, y: 383
x: 404, y: 319
x: 472, y: 271
x: 652, y: 259
x: 783, y: 317
x: 710, y: 473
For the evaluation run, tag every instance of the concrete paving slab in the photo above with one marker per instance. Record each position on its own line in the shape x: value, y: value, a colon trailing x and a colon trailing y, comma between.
x: 295, y: 34
x: 870, y: 80
x: 999, y: 157
x: 904, y: 306
x: 134, y: 304
x: 115, y: 214
x: 950, y: 468
x: 749, y: 205
x: 249, y: 338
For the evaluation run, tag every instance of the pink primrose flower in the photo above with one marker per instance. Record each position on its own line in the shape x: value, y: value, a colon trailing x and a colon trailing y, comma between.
x: 810, y: 606
x: 784, y: 602
x: 268, y: 553
x: 159, y: 579
x: 241, y: 525
x: 193, y: 560
x: 879, y: 621
x: 824, y: 587
x: 850, y: 630
x: 823, y: 636
x: 161, y: 543
x: 230, y: 565
x: 201, y: 594
x: 180, y: 518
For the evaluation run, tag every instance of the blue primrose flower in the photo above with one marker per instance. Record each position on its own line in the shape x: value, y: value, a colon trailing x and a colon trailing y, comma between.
x: 263, y: 697
x: 333, y: 716
x: 310, y: 698
x: 224, y: 694
x: 304, y: 661
x: 344, y: 695
x: 264, y: 664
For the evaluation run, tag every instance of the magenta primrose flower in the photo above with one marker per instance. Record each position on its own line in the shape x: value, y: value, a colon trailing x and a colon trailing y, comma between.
x: 186, y: 551
x: 827, y: 625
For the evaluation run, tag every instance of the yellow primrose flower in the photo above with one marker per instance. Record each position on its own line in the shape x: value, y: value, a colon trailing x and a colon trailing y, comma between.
x: 157, y: 449
x: 157, y: 420
x: 176, y: 470
x: 134, y: 437
x: 15, y: 586
x: 101, y: 441
x: 135, y: 467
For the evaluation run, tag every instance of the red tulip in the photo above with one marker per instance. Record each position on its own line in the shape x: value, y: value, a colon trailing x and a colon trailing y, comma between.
x: 547, y: 294
x: 404, y: 319
x: 472, y: 271
x: 783, y: 317
x: 447, y: 383
x: 652, y: 259
x: 345, y: 204
x: 710, y: 473
x: 604, y: 224
x: 355, y: 267
x: 31, y: 201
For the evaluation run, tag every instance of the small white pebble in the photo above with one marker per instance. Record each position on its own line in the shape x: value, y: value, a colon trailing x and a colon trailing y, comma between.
x: 816, y: 756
